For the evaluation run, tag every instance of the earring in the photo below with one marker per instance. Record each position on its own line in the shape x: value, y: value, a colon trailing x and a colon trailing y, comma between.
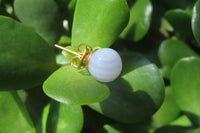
x: 103, y: 64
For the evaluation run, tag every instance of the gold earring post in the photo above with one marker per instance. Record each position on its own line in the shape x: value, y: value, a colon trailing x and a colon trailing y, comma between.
x: 67, y: 50
x: 82, y: 56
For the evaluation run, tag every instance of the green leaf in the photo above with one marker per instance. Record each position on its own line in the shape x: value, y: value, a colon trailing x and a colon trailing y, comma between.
x: 31, y: 98
x: 165, y: 25
x: 170, y: 52
x: 169, y: 110
x: 108, y: 129
x: 14, y: 117
x: 26, y: 59
x: 177, y: 129
x: 196, y: 21
x: 64, y: 118
x: 185, y: 81
x: 64, y: 40
x: 99, y: 22
x: 43, y: 16
x: 139, y: 22
x: 183, y: 120
x: 137, y: 94
x: 181, y: 22
x: 41, y: 124
x: 71, y: 86
x: 68, y: 55
x: 61, y: 59
x: 126, y: 128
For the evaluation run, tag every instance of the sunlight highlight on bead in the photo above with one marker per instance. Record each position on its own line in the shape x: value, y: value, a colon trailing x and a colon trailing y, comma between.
x: 105, y: 65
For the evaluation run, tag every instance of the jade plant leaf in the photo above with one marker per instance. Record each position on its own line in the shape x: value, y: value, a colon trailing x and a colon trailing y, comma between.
x: 14, y: 114
x: 42, y: 122
x: 99, y: 22
x: 137, y: 94
x: 108, y: 129
x: 139, y: 22
x: 64, y: 118
x: 45, y: 19
x: 126, y: 128
x: 170, y: 52
x: 26, y: 60
x: 182, y: 120
x: 177, y: 129
x: 68, y: 55
x: 64, y: 40
x: 166, y: 26
x: 196, y: 21
x: 181, y: 22
x: 61, y: 59
x: 169, y: 110
x: 76, y: 87
x: 185, y: 81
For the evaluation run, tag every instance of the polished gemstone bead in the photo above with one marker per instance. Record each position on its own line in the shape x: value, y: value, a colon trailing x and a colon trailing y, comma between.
x: 105, y: 65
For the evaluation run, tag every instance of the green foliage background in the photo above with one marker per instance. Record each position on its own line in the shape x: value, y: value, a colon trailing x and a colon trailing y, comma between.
x: 159, y: 86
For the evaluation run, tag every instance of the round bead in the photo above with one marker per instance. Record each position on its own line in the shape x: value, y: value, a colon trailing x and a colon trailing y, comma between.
x: 105, y: 65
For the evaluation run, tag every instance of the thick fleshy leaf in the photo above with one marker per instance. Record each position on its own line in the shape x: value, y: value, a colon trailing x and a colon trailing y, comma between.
x: 41, y: 15
x: 137, y: 94
x: 64, y: 118
x: 183, y: 120
x: 139, y: 22
x: 170, y: 52
x: 61, y: 59
x: 108, y: 129
x: 125, y: 128
x: 169, y: 110
x: 185, y: 81
x: 181, y: 22
x: 196, y: 21
x: 177, y: 129
x: 68, y: 55
x: 64, y: 40
x: 72, y: 86
x: 31, y: 98
x: 26, y: 60
x: 166, y: 26
x: 99, y: 22
x: 14, y: 117
x: 42, y: 122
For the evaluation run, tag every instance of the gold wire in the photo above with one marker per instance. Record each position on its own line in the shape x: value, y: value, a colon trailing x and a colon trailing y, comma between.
x: 67, y: 50
x: 82, y: 56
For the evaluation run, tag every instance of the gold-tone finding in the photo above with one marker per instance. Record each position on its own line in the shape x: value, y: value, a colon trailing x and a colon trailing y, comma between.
x: 82, y: 55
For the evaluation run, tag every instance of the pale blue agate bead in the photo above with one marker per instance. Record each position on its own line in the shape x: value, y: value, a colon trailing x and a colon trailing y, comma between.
x: 105, y: 65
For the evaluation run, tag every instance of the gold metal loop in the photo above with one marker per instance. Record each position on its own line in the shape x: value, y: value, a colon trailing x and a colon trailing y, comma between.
x: 75, y: 62
x: 82, y: 55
